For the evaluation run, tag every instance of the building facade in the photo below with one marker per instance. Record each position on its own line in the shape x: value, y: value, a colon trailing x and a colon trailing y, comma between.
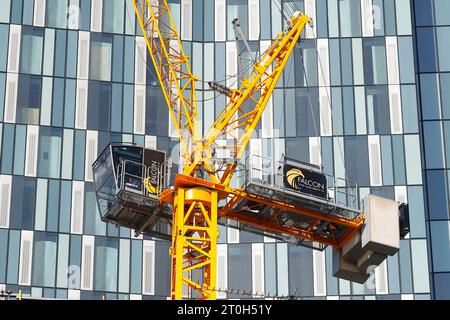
x: 364, y: 95
x: 432, y: 35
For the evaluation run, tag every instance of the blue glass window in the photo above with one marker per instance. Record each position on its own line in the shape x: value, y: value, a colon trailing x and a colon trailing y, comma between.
x: 442, y: 8
x: 4, y: 37
x: 409, y: 105
x: 300, y: 271
x: 56, y: 13
x: 425, y: 7
x: 136, y: 266
x: 72, y: 51
x: 375, y: 68
x: 4, y: 14
x: 197, y: 20
x: 113, y: 16
x: 378, y: 115
x: 389, y: 17
x: 44, y: 259
x: 53, y: 205
x: 49, y: 154
x: 378, y: 17
x: 297, y: 148
x: 208, y: 21
x: 434, y: 157
x: 399, y: 160
x: 13, y: 256
x: 118, y: 59
x: 3, y: 254
x: 60, y: 53
x: 440, y: 240
x: 92, y: 222
x: 99, y: 106
x: 16, y: 11
x: 426, y: 47
x: 240, y: 268
x: 405, y: 267
x: 445, y: 94
x: 406, y: 61
x: 442, y: 289
x: 7, y: 148
x: 270, y: 268
x: 237, y: 9
x: 106, y: 255
x: 58, y: 102
x: 437, y: 195
x: 101, y: 57
x: 157, y: 114
x: 32, y: 50
x: 19, y: 149
x: 350, y: 18
x: 29, y: 99
x: 429, y: 87
x: 64, y: 208
x: 349, y: 110
x: 443, y: 43
x: 336, y: 97
x: 357, y: 160
x: 23, y: 203
x: 416, y: 212
x: 347, y: 62
x: 162, y: 269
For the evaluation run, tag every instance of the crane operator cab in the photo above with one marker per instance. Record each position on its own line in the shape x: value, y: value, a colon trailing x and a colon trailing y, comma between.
x: 127, y: 181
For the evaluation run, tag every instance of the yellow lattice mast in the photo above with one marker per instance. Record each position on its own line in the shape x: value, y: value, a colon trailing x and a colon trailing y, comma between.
x: 172, y: 68
x: 195, y: 201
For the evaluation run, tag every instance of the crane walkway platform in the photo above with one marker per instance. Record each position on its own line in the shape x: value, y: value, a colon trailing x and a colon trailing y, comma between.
x: 295, y: 202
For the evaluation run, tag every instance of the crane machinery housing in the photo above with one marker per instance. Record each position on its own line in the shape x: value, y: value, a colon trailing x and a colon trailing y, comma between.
x: 285, y: 199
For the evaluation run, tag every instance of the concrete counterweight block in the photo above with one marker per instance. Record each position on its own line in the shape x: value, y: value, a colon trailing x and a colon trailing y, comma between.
x: 379, y: 238
x: 348, y: 270
x: 380, y: 233
x: 370, y: 259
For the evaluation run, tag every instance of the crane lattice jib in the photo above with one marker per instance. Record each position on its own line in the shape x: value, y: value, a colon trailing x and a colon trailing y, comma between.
x: 172, y: 69
x: 238, y: 121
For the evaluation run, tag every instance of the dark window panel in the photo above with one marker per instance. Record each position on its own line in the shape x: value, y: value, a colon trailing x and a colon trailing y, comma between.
x: 29, y: 99
x: 239, y: 269
x: 426, y: 47
x: 23, y: 203
x: 301, y: 282
x: 99, y: 106
x: 357, y: 160
x: 44, y: 259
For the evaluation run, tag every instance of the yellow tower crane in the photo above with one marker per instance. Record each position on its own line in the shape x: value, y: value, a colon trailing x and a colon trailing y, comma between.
x: 195, y: 201
x: 204, y: 183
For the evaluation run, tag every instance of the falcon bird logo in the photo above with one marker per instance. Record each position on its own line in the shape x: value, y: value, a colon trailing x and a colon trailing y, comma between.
x: 292, y: 177
x: 150, y: 187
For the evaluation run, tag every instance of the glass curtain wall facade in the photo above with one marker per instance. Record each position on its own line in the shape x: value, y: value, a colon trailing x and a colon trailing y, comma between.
x: 73, y: 77
x: 432, y: 35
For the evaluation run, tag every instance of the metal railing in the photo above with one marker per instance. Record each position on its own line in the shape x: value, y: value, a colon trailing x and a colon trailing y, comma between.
x: 266, y: 171
x: 164, y: 176
x: 131, y: 176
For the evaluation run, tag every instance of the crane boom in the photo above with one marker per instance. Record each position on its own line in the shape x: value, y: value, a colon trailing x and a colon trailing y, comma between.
x: 247, y: 104
x: 172, y: 69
